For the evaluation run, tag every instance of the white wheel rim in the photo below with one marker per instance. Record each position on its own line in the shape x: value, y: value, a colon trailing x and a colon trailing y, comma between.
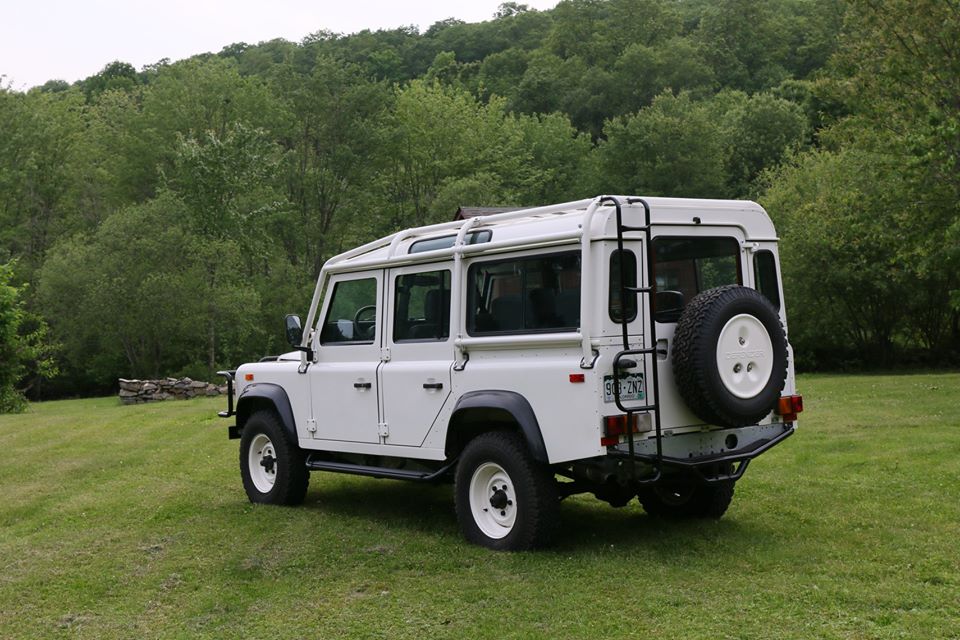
x: 493, y: 501
x: 744, y: 356
x: 262, y: 462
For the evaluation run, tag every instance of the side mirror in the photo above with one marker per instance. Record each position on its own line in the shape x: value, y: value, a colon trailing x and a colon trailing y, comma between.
x: 668, y: 306
x: 294, y: 330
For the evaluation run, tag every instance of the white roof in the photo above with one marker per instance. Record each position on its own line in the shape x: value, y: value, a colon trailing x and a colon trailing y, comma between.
x: 560, y: 224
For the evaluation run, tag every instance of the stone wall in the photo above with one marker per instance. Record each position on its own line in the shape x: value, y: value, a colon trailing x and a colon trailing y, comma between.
x: 136, y: 391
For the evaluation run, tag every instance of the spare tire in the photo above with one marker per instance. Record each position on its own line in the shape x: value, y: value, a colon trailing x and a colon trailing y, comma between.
x: 730, y: 356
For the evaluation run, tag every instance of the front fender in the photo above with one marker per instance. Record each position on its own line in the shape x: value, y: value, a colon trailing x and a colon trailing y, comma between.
x: 265, y: 395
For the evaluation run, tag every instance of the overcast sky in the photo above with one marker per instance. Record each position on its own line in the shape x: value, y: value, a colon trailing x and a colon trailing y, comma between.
x: 68, y: 40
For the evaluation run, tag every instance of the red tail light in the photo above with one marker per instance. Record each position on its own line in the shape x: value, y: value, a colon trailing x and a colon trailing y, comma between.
x: 616, y: 426
x: 789, y: 406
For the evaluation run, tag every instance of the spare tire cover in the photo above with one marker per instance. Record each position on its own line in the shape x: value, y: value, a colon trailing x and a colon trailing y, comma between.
x: 730, y: 356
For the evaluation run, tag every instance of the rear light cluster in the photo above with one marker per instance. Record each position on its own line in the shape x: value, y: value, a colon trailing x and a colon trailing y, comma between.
x: 789, y: 406
x: 616, y: 426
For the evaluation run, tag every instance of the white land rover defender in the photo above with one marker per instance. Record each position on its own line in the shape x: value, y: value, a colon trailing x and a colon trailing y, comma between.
x: 621, y: 346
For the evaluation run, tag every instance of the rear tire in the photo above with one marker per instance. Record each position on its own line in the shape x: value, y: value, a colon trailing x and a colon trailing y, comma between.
x: 505, y: 500
x: 273, y: 468
x: 688, y: 500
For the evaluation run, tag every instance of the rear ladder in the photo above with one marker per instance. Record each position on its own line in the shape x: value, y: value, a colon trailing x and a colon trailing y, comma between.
x: 621, y: 361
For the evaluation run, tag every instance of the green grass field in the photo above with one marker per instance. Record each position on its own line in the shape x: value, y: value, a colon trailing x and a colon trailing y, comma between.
x: 128, y: 522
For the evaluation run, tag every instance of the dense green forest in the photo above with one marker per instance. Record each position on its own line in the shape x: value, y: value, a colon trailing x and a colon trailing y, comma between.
x: 161, y: 221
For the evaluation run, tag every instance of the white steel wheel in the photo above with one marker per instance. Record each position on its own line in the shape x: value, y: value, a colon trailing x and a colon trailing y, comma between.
x: 273, y: 468
x: 262, y: 463
x: 505, y: 499
x: 493, y: 501
x: 744, y: 356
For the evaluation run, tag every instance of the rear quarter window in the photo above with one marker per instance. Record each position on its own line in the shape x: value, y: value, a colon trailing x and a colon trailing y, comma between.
x: 765, y: 268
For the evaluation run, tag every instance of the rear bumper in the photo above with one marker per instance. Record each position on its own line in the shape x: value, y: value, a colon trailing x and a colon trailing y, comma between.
x: 706, y: 455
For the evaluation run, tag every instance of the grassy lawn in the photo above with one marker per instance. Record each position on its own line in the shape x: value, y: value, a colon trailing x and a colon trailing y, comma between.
x: 127, y: 522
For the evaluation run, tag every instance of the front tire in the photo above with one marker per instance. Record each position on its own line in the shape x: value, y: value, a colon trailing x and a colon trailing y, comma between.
x: 505, y: 500
x: 273, y: 468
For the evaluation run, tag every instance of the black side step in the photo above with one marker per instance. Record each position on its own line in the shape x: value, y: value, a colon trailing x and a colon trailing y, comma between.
x: 377, y: 472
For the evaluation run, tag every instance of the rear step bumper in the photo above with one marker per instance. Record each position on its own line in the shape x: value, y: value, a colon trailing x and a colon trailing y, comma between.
x: 714, y: 467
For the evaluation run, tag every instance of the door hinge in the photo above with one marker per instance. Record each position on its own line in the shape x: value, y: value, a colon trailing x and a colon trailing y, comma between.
x: 312, y: 425
x: 385, y: 354
x: 383, y: 430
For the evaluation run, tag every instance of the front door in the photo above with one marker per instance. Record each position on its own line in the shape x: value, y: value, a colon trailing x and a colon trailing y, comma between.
x: 415, y: 381
x: 343, y: 381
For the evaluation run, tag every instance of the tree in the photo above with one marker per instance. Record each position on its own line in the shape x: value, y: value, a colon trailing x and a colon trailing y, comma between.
x: 141, y: 295
x: 37, y: 170
x: 25, y: 349
x: 333, y: 149
x: 116, y: 75
x: 760, y: 131
x: 857, y: 286
x: 642, y: 72
x: 225, y: 181
x: 674, y: 147
x: 898, y: 71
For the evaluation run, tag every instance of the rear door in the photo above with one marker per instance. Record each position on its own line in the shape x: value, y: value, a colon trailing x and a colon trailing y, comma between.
x: 685, y: 265
x: 415, y: 379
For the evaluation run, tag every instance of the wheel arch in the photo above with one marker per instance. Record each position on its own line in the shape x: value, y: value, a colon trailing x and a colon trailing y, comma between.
x: 267, y: 396
x: 479, y: 411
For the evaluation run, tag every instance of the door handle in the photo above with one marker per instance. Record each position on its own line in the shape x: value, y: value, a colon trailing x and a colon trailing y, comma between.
x: 433, y: 385
x: 362, y: 385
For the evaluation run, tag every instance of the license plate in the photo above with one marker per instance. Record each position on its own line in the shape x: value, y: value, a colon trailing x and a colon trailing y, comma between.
x: 631, y: 388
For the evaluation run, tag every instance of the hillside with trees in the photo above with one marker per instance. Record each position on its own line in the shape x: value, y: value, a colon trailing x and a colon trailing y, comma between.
x: 161, y: 221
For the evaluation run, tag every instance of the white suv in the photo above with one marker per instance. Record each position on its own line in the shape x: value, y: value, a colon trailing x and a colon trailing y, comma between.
x: 620, y: 346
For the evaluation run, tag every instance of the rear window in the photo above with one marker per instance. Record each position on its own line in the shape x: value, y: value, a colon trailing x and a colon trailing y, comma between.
x: 524, y: 295
x: 685, y: 266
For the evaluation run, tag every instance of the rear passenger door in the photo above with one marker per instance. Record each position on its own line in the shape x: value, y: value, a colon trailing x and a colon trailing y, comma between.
x: 415, y: 380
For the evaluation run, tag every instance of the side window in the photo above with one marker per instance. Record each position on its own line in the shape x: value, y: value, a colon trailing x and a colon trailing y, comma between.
x: 352, y: 316
x: 422, y: 306
x: 684, y: 267
x: 765, y: 266
x: 630, y: 267
x: 524, y: 295
x: 445, y: 242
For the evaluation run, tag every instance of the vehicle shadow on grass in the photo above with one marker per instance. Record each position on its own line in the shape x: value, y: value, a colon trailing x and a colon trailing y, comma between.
x: 584, y: 523
x: 395, y: 504
x: 588, y: 524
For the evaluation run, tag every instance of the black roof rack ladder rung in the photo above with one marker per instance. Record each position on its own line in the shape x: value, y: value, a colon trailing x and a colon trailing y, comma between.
x: 651, y: 334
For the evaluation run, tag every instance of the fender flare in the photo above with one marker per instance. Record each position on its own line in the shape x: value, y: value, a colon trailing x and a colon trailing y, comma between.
x: 258, y: 394
x: 514, y: 404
